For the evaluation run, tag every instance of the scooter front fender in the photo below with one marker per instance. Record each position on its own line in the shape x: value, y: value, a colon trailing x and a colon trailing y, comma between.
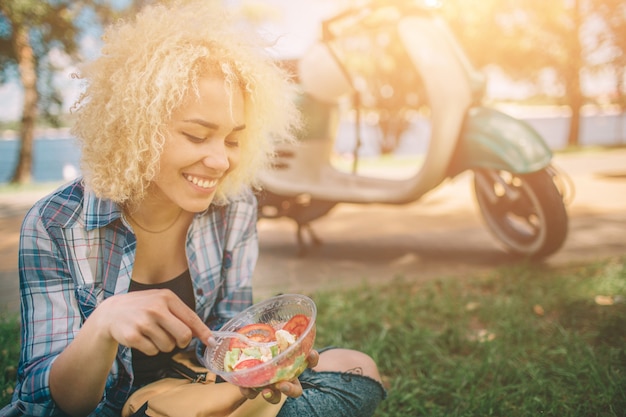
x: 492, y: 139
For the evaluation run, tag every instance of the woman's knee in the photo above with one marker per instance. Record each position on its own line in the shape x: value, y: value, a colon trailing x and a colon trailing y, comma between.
x: 348, y: 360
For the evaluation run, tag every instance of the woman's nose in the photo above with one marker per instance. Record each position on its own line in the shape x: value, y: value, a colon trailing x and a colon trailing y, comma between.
x: 216, y: 158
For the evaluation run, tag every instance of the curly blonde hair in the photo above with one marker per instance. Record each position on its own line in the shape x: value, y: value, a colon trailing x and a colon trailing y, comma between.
x: 145, y: 70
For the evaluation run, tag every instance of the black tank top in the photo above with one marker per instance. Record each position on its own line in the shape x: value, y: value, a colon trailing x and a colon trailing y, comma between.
x: 150, y: 368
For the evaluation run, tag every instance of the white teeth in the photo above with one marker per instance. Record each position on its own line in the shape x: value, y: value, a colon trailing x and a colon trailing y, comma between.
x: 200, y: 182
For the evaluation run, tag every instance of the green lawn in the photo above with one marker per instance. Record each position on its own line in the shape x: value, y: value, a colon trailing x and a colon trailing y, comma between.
x: 11, y: 189
x: 520, y: 341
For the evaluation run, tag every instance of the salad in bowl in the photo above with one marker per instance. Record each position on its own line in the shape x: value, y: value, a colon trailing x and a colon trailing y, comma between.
x: 283, y: 328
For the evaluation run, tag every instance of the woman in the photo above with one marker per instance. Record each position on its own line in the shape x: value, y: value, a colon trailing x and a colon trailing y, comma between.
x: 156, y: 243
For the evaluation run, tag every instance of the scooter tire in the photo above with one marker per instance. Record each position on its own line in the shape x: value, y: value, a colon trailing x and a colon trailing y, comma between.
x: 525, y: 212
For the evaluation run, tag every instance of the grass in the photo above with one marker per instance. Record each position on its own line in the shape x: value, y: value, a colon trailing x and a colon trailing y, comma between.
x: 12, y: 189
x: 519, y: 341
x: 9, y: 356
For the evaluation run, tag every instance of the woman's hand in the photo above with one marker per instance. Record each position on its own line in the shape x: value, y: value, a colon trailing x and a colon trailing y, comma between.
x: 291, y: 388
x: 151, y: 321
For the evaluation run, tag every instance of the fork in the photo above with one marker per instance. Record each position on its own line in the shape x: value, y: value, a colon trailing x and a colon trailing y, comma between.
x: 225, y: 334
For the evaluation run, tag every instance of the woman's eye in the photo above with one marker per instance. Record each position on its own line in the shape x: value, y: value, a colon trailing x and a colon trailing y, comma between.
x: 193, y: 138
x: 232, y: 142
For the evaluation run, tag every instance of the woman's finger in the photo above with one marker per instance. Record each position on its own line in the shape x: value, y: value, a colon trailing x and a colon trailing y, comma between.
x: 313, y: 359
x: 271, y: 395
x: 291, y: 388
x: 190, y: 319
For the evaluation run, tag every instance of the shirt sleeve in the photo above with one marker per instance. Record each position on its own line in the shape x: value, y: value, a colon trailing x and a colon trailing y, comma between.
x: 241, y: 251
x: 49, y: 312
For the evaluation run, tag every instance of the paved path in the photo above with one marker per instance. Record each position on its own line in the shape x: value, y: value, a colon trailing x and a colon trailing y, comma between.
x: 440, y: 235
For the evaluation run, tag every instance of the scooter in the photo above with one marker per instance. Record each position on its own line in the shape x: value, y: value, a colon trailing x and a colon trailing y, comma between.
x: 388, y: 61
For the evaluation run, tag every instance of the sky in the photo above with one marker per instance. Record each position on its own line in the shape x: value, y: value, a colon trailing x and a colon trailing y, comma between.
x: 297, y: 23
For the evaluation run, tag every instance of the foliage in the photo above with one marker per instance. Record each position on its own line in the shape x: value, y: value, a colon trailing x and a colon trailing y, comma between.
x: 613, y: 12
x: 50, y: 26
x: 55, y: 27
x: 496, y: 32
x: 527, y: 38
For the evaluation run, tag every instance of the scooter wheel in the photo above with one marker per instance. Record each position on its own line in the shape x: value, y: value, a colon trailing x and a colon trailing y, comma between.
x: 525, y: 212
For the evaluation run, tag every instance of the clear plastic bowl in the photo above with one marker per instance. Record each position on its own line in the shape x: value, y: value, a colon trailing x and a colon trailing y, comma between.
x: 290, y: 363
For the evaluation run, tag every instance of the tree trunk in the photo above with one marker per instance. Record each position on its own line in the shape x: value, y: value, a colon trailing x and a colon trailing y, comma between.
x: 28, y: 76
x: 575, y: 101
x: 574, y: 94
x: 574, y: 126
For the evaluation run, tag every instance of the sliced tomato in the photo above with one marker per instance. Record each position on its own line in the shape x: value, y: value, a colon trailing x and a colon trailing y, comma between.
x: 248, y: 363
x: 259, y: 332
x: 255, y: 377
x: 297, y: 325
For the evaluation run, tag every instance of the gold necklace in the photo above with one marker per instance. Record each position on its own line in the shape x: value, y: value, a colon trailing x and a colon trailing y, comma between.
x: 155, y: 231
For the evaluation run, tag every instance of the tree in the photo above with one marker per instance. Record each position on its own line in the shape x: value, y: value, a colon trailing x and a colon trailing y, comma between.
x: 526, y: 37
x: 613, y: 13
x: 29, y: 31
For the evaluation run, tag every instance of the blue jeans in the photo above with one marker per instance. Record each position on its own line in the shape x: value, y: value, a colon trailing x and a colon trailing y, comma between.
x: 336, y: 394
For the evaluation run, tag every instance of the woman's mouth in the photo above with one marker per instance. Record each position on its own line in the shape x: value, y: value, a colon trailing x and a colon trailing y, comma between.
x: 200, y: 182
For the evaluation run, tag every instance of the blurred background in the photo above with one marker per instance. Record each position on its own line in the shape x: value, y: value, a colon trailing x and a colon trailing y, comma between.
x: 559, y: 65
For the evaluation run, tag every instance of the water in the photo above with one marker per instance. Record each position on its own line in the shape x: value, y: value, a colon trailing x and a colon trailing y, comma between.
x: 53, y: 159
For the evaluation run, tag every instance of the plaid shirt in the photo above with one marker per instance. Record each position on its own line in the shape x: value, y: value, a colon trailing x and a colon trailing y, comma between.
x: 76, y: 250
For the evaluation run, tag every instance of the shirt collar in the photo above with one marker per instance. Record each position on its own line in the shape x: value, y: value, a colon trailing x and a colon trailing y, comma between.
x: 99, y: 212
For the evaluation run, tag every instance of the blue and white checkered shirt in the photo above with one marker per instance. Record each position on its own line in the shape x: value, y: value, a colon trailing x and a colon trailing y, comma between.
x: 75, y: 251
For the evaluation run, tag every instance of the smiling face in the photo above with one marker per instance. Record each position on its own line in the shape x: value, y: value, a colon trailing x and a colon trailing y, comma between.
x: 201, y: 145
